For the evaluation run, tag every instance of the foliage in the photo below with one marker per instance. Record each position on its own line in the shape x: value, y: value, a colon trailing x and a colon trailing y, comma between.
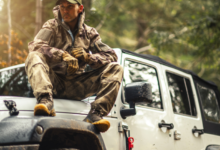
x: 194, y: 44
x: 18, y: 55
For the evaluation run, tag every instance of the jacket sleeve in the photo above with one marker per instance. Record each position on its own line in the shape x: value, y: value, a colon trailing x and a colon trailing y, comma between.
x: 43, y: 43
x: 102, y: 54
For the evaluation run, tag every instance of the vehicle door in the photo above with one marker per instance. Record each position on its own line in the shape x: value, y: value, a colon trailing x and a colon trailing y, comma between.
x: 186, y: 114
x: 208, y: 95
x: 144, y: 125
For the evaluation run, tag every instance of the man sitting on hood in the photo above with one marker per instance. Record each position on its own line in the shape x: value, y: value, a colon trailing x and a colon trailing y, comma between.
x: 58, y: 57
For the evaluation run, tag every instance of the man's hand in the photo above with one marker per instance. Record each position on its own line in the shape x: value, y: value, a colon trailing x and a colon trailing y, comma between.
x: 72, y: 63
x: 81, y: 54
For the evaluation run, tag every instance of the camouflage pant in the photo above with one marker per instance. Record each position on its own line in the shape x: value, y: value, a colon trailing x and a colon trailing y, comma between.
x: 104, y: 82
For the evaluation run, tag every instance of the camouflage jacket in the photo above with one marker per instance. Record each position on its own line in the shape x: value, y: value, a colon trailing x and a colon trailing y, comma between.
x: 55, y: 37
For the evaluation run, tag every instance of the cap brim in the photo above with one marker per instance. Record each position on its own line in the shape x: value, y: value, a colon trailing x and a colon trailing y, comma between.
x: 71, y: 1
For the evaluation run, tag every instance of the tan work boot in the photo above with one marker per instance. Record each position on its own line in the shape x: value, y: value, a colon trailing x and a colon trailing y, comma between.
x: 44, y: 106
x: 96, y: 119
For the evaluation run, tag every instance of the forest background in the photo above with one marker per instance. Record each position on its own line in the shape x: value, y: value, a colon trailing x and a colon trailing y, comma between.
x: 184, y: 33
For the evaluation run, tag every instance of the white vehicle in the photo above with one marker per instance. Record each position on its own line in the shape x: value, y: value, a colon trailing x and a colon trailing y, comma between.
x: 183, y: 115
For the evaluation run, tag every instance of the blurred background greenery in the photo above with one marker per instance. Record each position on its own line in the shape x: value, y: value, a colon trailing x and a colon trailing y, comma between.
x: 184, y: 33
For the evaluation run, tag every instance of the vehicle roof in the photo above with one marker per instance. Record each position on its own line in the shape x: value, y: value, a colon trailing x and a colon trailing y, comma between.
x: 164, y: 62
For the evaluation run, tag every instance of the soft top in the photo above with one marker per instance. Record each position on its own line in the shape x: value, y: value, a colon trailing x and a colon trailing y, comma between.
x: 163, y: 62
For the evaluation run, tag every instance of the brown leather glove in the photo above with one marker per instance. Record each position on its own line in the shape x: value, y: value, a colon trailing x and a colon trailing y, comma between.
x: 81, y: 54
x: 71, y: 62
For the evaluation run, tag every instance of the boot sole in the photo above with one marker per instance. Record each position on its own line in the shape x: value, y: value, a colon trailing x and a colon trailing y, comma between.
x: 52, y: 112
x: 102, y: 125
x: 42, y: 110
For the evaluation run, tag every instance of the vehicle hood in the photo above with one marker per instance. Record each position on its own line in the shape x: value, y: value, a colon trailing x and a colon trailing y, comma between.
x: 60, y: 105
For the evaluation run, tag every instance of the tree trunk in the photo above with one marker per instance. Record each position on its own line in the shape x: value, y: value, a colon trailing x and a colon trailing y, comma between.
x: 87, y: 5
x: 38, y: 15
x: 9, y: 32
x: 142, y: 33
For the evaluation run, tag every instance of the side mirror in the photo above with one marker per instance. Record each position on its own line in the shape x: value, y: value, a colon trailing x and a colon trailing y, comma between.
x: 134, y: 93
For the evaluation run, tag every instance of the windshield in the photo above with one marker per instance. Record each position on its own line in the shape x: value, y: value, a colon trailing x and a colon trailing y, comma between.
x: 14, y: 82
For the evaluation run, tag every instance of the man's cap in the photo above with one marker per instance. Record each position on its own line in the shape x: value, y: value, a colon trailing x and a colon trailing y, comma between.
x: 71, y: 1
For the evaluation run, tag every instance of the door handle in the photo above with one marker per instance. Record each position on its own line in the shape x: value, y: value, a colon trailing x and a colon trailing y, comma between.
x: 199, y: 131
x: 166, y: 125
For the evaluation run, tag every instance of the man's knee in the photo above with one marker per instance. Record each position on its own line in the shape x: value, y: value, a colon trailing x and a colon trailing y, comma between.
x: 113, y: 72
x: 116, y: 68
x: 35, y: 58
x: 119, y: 67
